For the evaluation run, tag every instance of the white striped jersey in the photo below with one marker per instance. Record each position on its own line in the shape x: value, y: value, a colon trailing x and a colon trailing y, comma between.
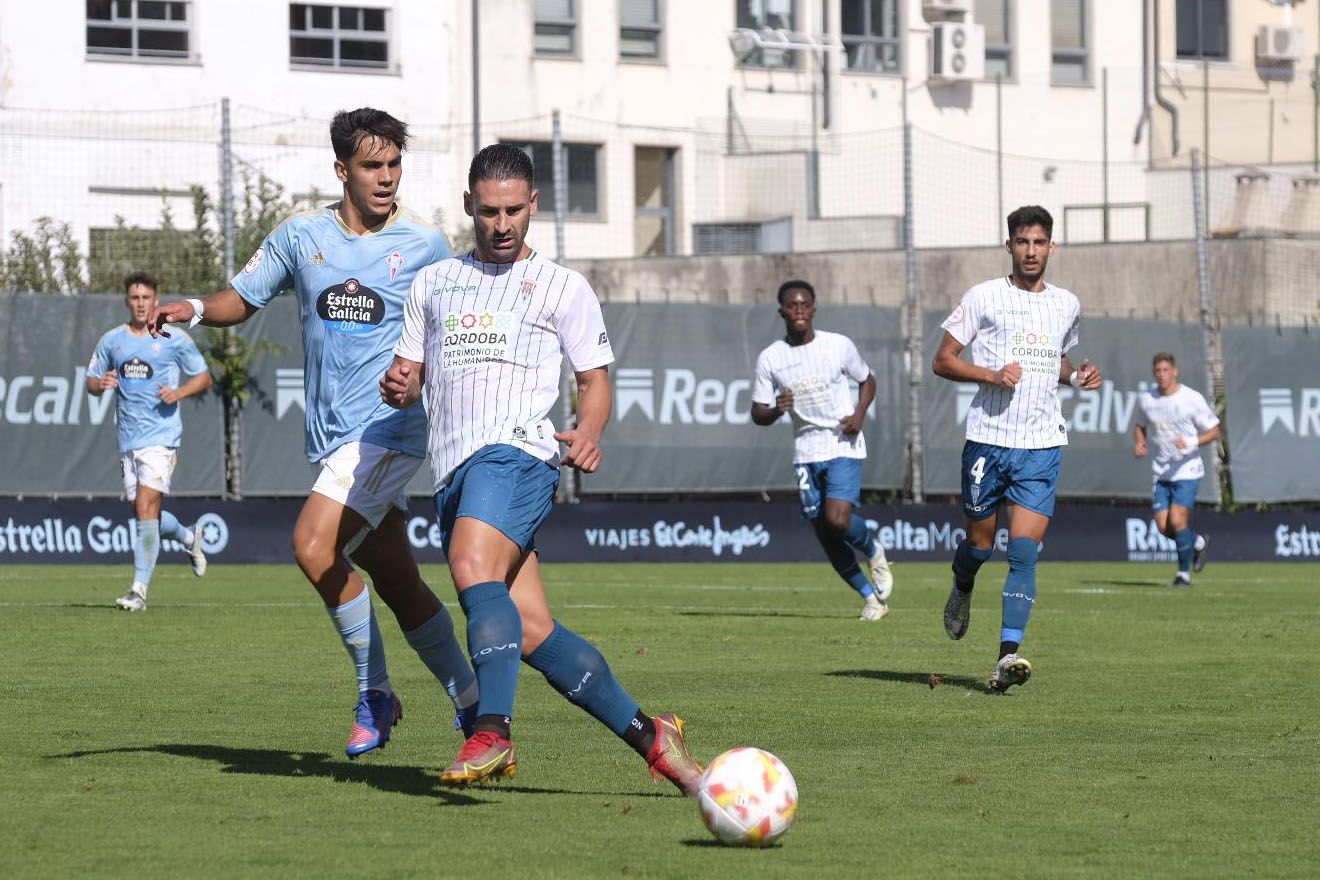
x: 1184, y: 413
x: 493, y: 337
x: 818, y: 375
x: 1005, y: 324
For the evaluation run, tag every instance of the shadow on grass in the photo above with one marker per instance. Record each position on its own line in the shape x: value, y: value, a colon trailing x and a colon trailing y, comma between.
x: 709, y: 843
x: 754, y: 613
x: 1156, y: 584
x: 922, y: 678
x: 271, y: 762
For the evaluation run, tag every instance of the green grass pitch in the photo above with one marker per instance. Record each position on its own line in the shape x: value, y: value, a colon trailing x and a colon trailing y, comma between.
x: 1165, y: 734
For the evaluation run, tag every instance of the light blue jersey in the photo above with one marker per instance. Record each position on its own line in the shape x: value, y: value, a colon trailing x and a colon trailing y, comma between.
x: 145, y: 366
x: 351, y: 290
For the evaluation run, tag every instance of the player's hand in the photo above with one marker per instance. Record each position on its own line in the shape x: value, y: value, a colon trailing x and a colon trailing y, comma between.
x: 1139, y: 449
x: 1089, y: 375
x: 583, y: 450
x: 784, y: 401
x: 850, y: 424
x: 169, y: 395
x: 1007, y: 376
x: 1181, y: 442
x: 399, y: 386
x: 180, y: 312
x: 109, y: 380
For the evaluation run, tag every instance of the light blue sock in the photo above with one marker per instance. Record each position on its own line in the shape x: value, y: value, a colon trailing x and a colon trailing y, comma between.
x: 859, y: 536
x: 577, y: 670
x: 967, y: 561
x: 435, y: 643
x: 171, y: 528
x: 146, y: 550
x: 356, y: 622
x: 1019, y: 589
x: 1185, y: 540
x: 844, y: 561
x: 494, y: 638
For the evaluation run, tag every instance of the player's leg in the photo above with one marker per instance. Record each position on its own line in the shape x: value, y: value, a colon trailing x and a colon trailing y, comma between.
x: 1162, y: 507
x: 811, y: 498
x: 982, y: 490
x: 576, y: 669
x: 386, y: 555
x: 191, y: 539
x: 151, y: 468
x: 843, y: 494
x: 1184, y: 539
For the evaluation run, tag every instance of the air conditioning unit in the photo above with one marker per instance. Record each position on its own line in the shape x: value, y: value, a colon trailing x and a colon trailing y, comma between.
x: 962, y: 8
x: 1279, y: 43
x: 957, y: 51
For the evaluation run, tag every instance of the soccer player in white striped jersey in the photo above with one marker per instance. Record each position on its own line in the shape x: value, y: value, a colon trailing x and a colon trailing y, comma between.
x: 806, y: 374
x: 1174, y: 422
x: 1020, y: 329
x: 484, y: 338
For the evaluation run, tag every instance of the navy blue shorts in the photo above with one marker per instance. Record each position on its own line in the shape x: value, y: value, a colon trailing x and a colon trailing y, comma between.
x: 838, y: 478
x: 1179, y: 492
x: 994, y: 474
x: 502, y: 486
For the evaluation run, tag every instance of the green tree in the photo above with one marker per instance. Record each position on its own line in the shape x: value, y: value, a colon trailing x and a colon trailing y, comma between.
x: 48, y: 260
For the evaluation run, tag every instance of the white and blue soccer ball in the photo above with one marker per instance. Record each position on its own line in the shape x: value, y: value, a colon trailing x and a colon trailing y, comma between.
x: 747, y: 797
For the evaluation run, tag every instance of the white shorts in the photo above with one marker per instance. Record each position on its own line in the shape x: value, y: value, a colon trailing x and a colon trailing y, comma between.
x: 150, y: 466
x: 366, y: 478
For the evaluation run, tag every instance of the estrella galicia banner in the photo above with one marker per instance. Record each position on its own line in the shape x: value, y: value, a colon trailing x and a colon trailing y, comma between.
x: 1098, y: 460
x: 57, y: 439
x: 1272, y: 382
x: 253, y: 531
x: 682, y: 398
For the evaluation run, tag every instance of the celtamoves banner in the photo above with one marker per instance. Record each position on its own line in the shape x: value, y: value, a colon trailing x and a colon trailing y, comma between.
x: 257, y: 531
x: 1098, y: 460
x: 1272, y: 384
x: 57, y: 439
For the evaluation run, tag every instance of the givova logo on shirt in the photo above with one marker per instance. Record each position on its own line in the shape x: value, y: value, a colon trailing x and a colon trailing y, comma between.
x: 136, y: 368
x: 475, y: 338
x: 350, y: 307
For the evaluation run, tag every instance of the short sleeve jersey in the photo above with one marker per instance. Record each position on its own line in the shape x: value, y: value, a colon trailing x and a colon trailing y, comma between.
x: 1004, y: 324
x: 1184, y: 413
x: 145, y: 366
x: 493, y: 338
x: 351, y: 290
x: 818, y: 374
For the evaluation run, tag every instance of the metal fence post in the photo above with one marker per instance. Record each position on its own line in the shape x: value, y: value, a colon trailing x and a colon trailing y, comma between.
x: 1211, y: 348
x: 233, y: 410
x: 568, y: 486
x: 912, y: 301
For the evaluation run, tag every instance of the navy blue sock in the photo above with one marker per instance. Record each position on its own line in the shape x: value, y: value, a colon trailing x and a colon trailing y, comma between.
x: 494, y: 637
x: 1185, y: 539
x: 859, y: 537
x: 844, y: 561
x: 967, y: 561
x: 577, y: 670
x: 1019, y: 589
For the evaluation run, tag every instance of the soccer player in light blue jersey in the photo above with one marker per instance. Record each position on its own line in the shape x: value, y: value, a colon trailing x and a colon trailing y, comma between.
x: 144, y: 373
x: 1020, y: 329
x: 351, y: 265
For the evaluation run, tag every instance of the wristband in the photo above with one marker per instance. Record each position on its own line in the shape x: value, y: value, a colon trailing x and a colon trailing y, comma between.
x: 1074, y: 380
x: 197, y: 312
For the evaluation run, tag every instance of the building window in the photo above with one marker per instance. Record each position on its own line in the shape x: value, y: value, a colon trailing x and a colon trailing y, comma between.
x: 338, y: 36
x: 993, y: 15
x: 1203, y: 29
x: 1069, y: 61
x: 583, y: 167
x: 138, y: 28
x: 759, y: 15
x: 870, y: 35
x: 639, y: 29
x: 556, y: 28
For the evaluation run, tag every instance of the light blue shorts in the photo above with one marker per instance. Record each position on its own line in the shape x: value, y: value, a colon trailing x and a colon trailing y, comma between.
x: 502, y: 486
x: 1179, y: 492
x: 838, y: 478
x: 993, y: 474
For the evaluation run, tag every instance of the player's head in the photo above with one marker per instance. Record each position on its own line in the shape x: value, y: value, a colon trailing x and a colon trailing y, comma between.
x: 140, y: 295
x: 797, y: 305
x: 368, y: 147
x: 501, y: 200
x: 1030, y: 242
x: 1165, y: 369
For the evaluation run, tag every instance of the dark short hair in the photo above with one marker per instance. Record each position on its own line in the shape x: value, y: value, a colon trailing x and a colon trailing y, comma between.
x: 146, y: 279
x: 1030, y: 215
x: 501, y: 162
x: 350, y: 128
x: 1163, y: 356
x: 795, y: 285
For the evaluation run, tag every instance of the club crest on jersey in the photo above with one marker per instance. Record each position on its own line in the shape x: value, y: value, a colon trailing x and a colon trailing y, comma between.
x: 395, y: 262
x: 350, y: 307
x: 254, y: 261
x: 528, y: 287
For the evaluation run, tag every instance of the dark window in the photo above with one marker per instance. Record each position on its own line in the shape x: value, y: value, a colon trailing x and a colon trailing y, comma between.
x: 1202, y: 27
x: 338, y: 36
x: 555, y: 28
x: 583, y: 170
x: 639, y: 29
x: 870, y: 35
x: 138, y: 28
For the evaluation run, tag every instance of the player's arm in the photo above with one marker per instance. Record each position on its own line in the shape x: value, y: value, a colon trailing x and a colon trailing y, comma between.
x: 948, y: 365
x: 762, y: 387
x: 196, y: 384
x: 1139, y: 440
x: 224, y: 308
x: 1085, y: 377
x: 851, y: 424
x: 593, y: 411
x: 98, y: 385
x: 401, y: 386
x: 1208, y: 436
